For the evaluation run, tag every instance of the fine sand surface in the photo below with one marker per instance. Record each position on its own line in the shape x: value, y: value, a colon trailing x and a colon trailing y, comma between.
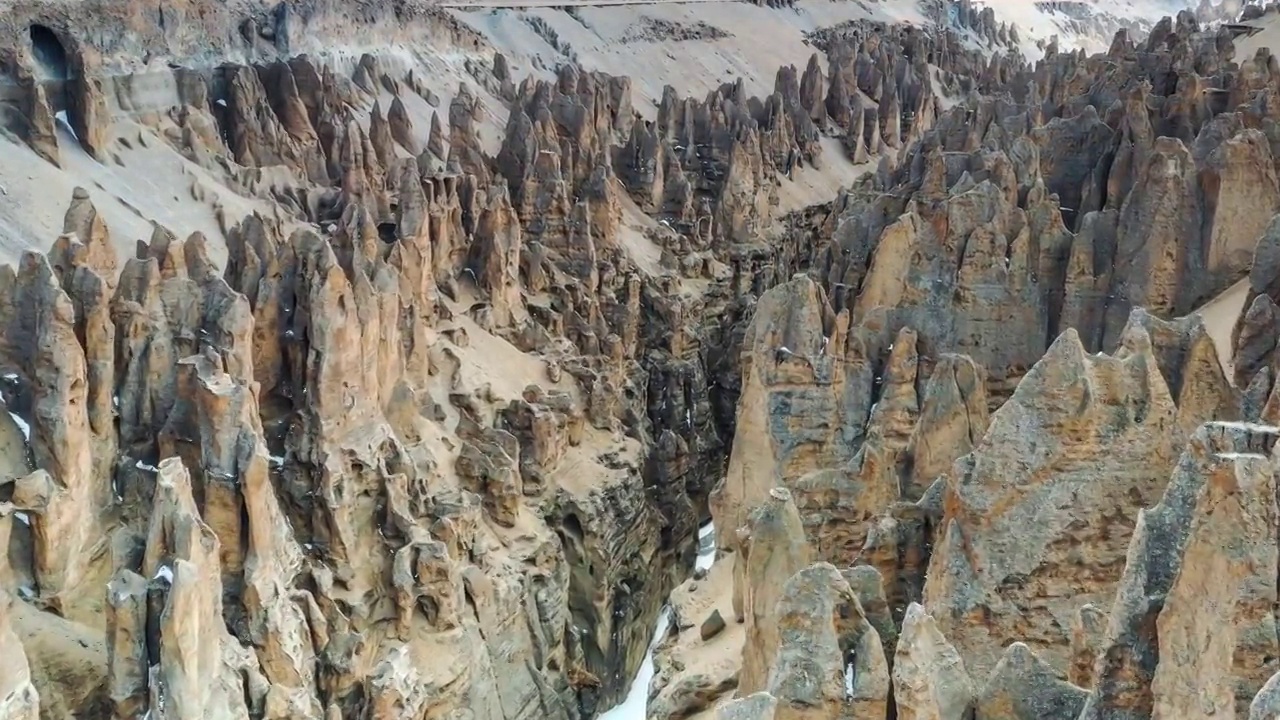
x: 1220, y: 316
x: 721, y: 656
x: 146, y: 182
x: 1269, y: 37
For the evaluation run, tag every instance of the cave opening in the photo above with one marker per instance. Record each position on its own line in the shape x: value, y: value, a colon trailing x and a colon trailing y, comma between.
x: 387, y: 232
x: 54, y: 67
x: 50, y: 54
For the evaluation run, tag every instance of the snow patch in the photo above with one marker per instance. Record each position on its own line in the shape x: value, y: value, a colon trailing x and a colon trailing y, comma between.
x: 706, y: 547
x: 636, y: 704
x: 61, y: 117
x: 22, y: 425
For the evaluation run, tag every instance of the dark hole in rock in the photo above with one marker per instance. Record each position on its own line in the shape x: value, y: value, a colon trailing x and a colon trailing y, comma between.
x: 387, y: 232
x: 328, y: 209
x: 50, y: 55
x: 573, y: 527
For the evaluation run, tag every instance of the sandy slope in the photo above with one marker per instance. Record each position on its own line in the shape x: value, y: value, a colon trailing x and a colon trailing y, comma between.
x: 1035, y: 24
x: 147, y: 182
x: 570, y: 3
x: 35, y: 196
x: 757, y: 40
x: 1247, y: 47
x: 1220, y: 315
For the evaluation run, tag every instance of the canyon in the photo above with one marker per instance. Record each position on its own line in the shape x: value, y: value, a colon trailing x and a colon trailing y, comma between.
x: 800, y: 360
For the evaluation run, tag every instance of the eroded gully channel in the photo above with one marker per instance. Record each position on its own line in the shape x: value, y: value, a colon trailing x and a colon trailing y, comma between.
x: 636, y: 703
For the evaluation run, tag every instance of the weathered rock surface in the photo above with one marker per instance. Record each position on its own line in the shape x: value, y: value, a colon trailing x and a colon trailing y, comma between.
x: 1012, y: 554
x: 929, y: 676
x: 1266, y: 706
x: 771, y: 547
x: 20, y: 699
x: 712, y: 626
x: 434, y: 439
x: 1024, y: 687
x: 1030, y: 232
x: 1159, y: 650
x: 828, y: 660
x: 848, y: 436
x: 367, y: 490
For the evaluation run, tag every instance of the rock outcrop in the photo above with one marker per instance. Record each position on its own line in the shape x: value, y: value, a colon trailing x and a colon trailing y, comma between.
x: 220, y: 448
x: 829, y: 660
x: 1010, y: 553
x: 1190, y: 630
x: 770, y: 547
x: 1023, y: 687
x: 1015, y: 236
x: 21, y: 700
x: 929, y: 676
x: 847, y: 435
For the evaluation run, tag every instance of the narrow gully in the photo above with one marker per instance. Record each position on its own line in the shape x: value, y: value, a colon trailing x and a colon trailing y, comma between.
x: 636, y: 703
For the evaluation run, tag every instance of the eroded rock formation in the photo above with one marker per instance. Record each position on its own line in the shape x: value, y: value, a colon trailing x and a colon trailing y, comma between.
x: 1013, y: 300
x: 431, y: 434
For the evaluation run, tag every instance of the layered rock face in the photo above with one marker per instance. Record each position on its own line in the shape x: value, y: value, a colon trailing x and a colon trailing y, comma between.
x: 1135, y: 581
x: 1029, y: 553
x: 970, y: 223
